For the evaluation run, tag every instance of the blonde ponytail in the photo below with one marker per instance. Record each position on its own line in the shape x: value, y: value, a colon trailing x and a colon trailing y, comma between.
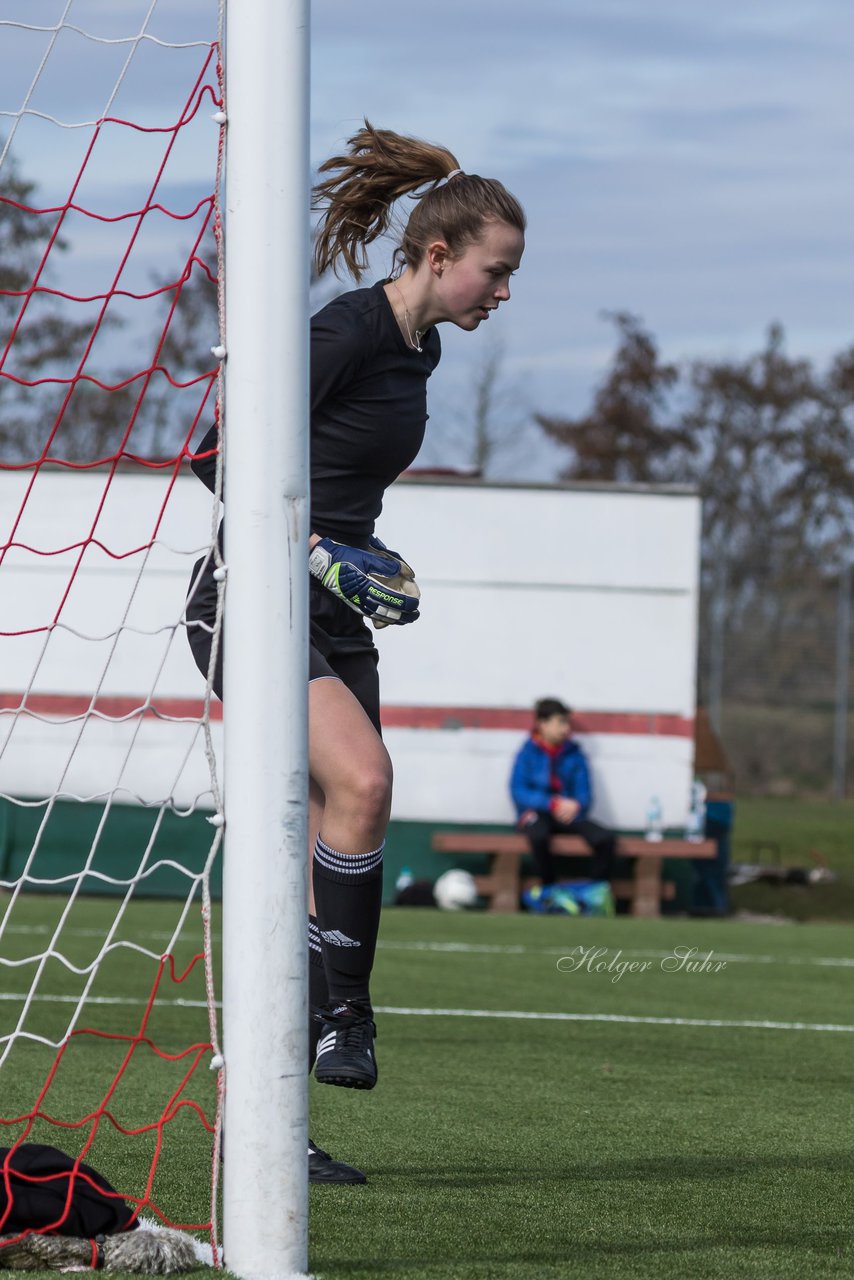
x: 379, y: 167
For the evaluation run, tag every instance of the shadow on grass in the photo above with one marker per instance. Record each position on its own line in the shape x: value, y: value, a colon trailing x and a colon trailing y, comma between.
x: 567, y: 1250
x: 838, y: 1241
x: 663, y: 1169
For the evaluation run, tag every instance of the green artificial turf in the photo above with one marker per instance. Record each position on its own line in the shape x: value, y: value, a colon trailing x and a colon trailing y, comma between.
x: 516, y: 1148
x: 796, y: 827
x: 796, y: 833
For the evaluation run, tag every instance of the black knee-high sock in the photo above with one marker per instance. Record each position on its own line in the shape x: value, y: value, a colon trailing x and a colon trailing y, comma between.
x: 348, y: 895
x: 318, y: 991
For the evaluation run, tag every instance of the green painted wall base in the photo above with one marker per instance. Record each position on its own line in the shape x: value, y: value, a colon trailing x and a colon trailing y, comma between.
x: 72, y: 828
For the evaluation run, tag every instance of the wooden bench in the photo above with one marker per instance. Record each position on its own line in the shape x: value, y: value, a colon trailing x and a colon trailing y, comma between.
x: 503, y: 884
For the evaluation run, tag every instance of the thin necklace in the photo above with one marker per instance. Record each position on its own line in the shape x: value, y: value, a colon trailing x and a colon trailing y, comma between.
x: 415, y: 343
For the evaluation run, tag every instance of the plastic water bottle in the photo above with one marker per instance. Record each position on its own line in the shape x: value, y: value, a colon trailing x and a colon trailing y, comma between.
x: 695, y: 827
x: 654, y: 820
x: 404, y: 880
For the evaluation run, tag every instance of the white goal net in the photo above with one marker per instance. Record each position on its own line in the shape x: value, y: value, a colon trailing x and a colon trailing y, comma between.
x: 110, y: 156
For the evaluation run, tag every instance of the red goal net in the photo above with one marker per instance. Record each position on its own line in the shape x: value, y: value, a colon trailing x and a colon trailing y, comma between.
x: 110, y: 160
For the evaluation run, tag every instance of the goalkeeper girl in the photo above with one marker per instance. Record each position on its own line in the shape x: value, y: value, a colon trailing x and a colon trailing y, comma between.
x: 372, y: 352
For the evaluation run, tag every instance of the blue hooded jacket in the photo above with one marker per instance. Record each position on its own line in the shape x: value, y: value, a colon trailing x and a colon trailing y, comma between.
x: 530, y: 781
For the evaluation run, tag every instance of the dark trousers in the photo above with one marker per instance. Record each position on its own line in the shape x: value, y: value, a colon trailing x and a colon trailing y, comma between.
x: 602, y: 842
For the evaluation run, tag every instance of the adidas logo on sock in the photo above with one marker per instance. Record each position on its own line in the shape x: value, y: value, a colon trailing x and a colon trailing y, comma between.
x: 338, y: 939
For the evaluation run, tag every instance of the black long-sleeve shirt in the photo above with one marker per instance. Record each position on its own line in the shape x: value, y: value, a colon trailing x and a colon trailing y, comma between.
x: 368, y: 411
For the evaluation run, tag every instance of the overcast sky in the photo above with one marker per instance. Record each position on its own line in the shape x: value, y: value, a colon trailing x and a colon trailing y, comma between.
x: 692, y: 163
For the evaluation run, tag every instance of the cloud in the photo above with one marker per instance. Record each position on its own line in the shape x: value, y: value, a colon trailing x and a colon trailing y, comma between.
x: 688, y: 162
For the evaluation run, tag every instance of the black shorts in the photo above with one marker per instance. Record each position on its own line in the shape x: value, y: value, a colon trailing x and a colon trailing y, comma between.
x: 340, y: 643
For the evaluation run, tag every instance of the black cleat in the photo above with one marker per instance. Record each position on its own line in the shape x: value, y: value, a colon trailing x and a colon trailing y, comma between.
x: 345, y: 1050
x: 323, y: 1169
x: 321, y: 1166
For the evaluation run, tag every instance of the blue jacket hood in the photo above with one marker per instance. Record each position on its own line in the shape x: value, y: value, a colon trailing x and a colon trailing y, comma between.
x: 531, y: 777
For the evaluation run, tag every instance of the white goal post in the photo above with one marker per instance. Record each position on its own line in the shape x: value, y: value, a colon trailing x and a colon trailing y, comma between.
x: 265, y: 906
x: 110, y: 357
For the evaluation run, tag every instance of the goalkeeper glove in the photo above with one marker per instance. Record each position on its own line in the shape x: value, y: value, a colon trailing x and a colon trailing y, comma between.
x: 401, y: 579
x: 397, y: 565
x: 361, y: 579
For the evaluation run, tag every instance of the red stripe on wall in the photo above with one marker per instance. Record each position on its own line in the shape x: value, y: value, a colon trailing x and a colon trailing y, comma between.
x: 68, y: 705
x: 634, y: 722
x: 642, y: 723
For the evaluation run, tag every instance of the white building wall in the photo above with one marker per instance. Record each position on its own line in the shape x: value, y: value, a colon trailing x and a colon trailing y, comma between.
x: 461, y: 775
x: 585, y: 594
x: 142, y: 592
x: 590, y: 595
x: 118, y: 633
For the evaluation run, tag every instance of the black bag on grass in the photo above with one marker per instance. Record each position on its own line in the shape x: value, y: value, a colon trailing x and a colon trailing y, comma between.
x: 36, y: 1204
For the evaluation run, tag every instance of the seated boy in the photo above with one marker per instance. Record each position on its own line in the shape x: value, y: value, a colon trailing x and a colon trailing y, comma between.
x: 550, y: 786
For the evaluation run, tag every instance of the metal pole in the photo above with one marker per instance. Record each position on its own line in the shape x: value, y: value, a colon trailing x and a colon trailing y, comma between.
x: 717, y: 629
x: 265, y: 1209
x: 843, y: 657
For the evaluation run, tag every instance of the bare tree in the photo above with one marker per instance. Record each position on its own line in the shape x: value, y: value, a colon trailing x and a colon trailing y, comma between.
x: 484, y: 428
x: 629, y: 435
x: 36, y: 334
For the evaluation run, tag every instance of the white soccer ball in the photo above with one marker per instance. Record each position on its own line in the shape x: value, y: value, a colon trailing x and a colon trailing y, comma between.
x: 455, y: 890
